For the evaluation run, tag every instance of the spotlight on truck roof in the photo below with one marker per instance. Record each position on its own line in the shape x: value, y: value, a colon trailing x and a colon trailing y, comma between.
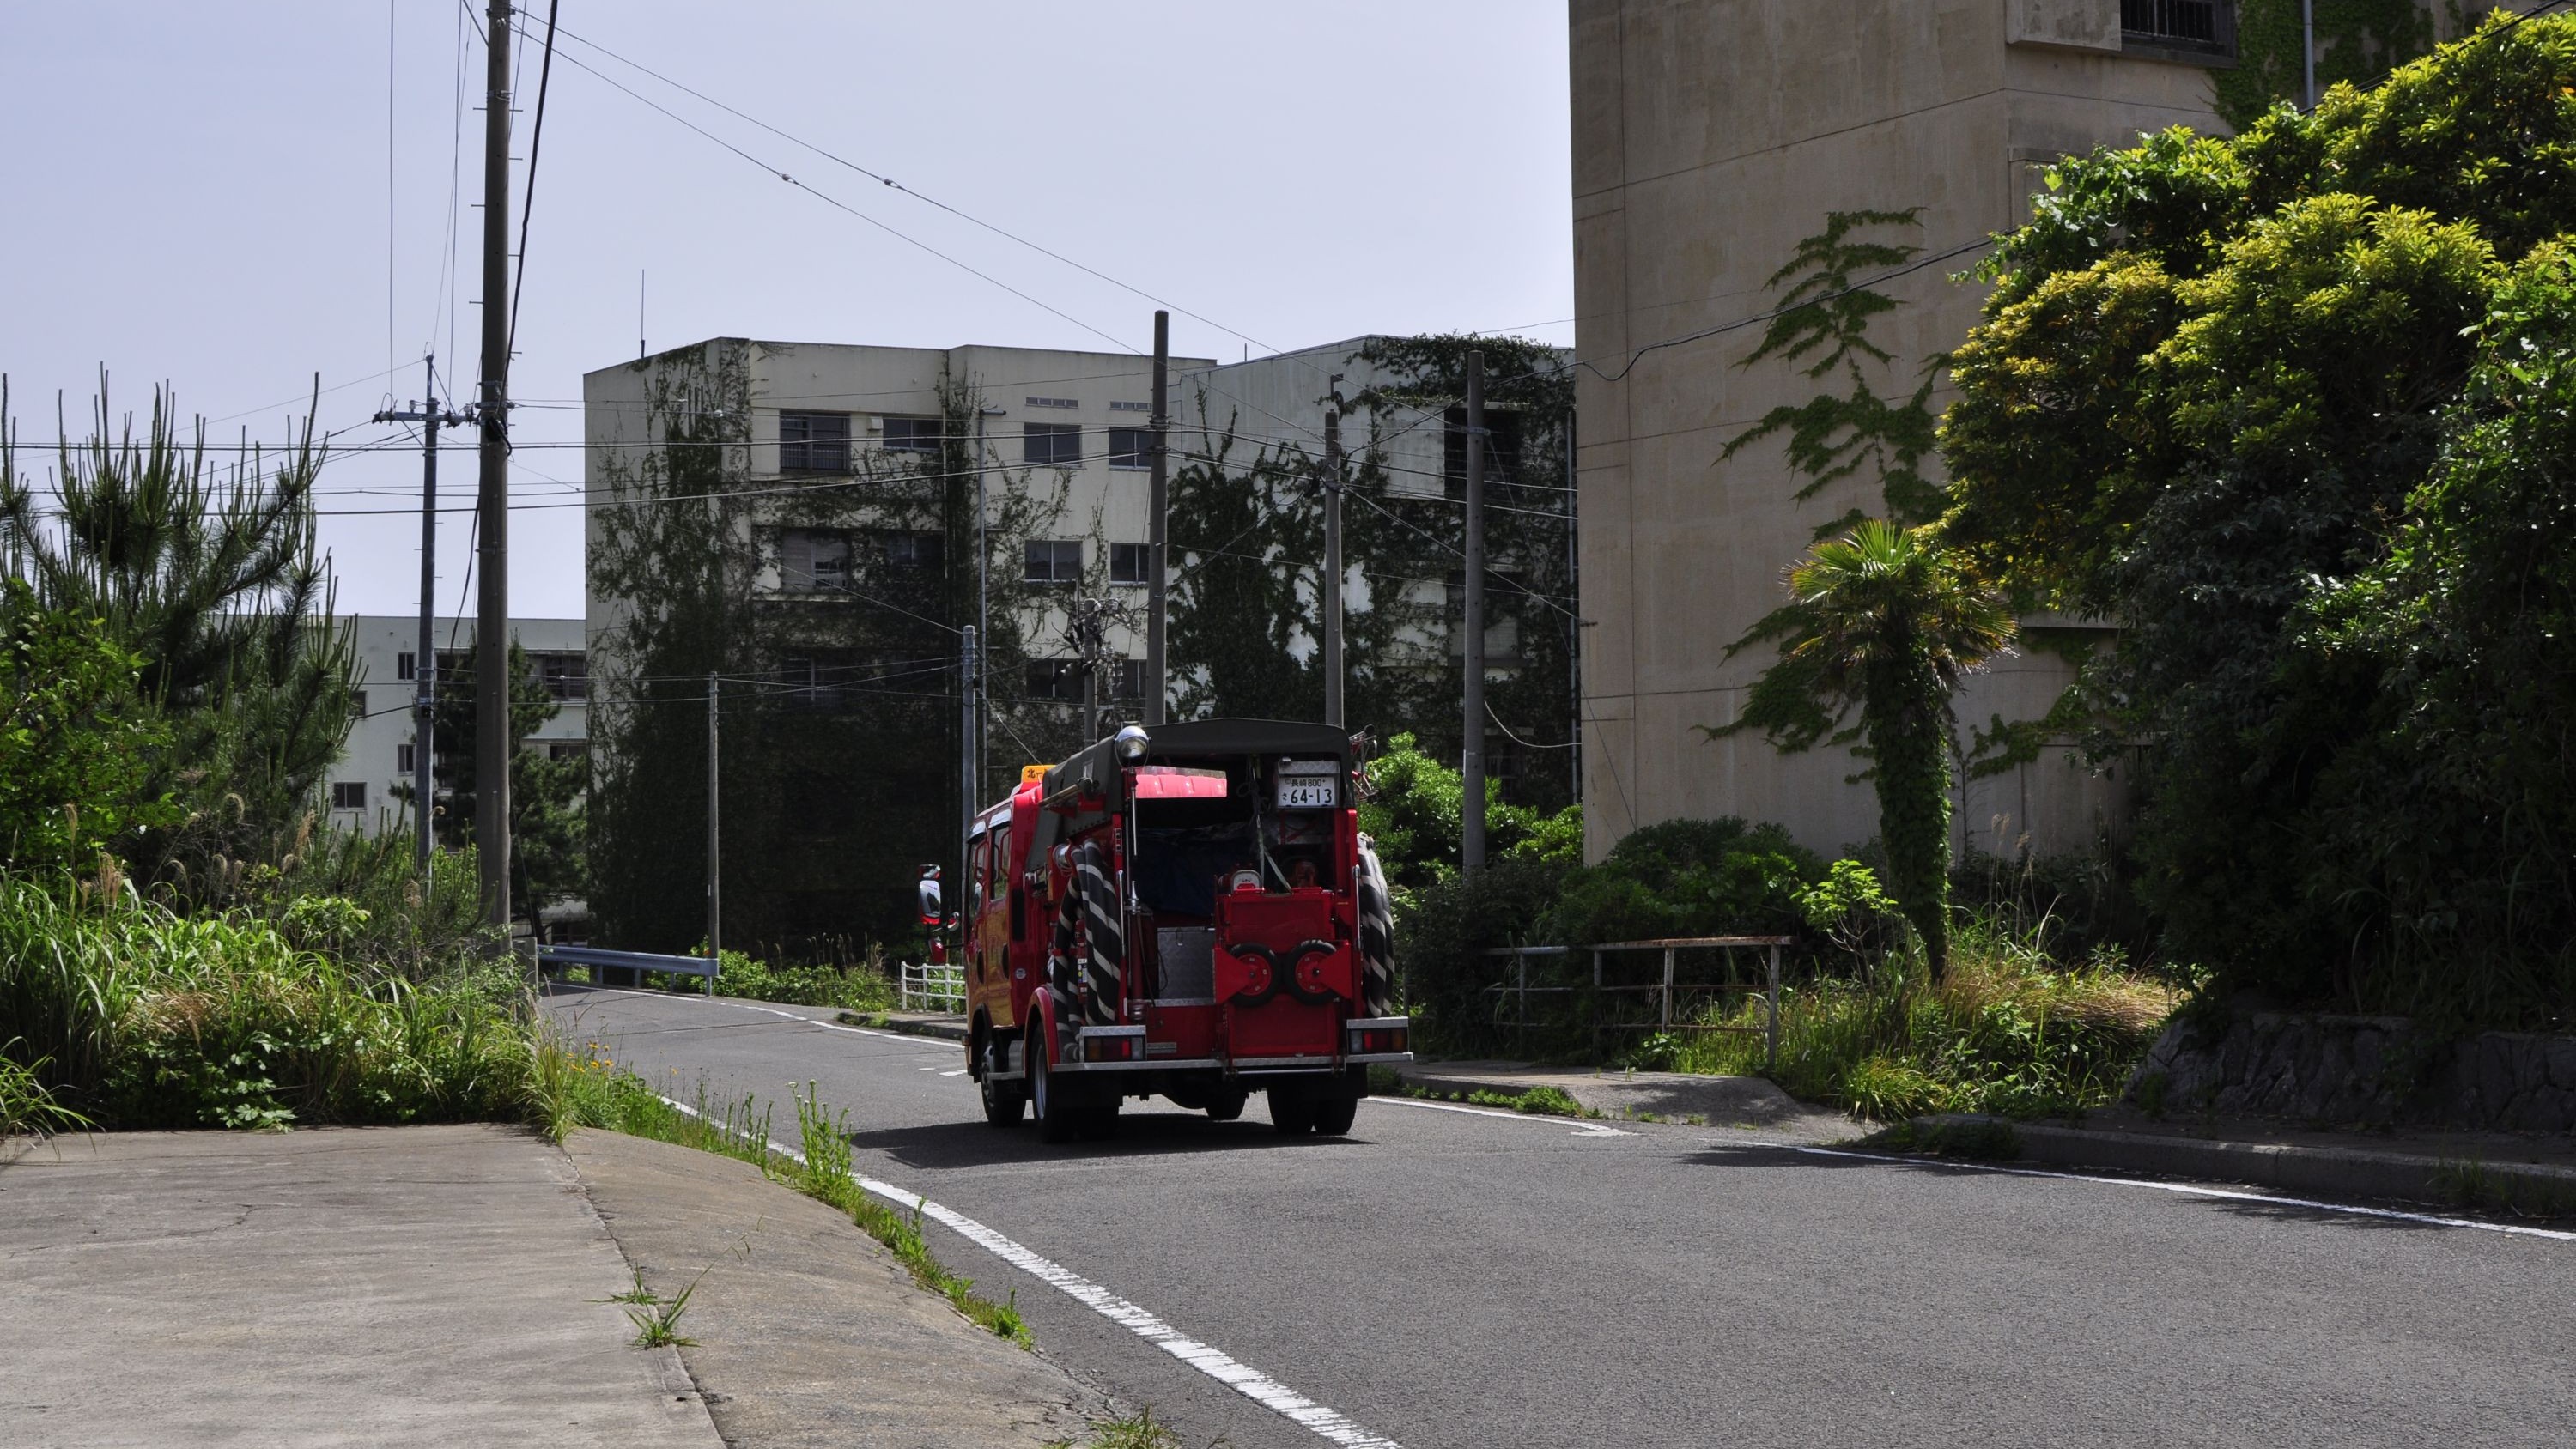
x: 1132, y: 743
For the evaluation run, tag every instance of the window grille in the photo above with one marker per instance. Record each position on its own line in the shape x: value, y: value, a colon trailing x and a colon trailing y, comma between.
x: 2182, y: 22
x: 813, y: 442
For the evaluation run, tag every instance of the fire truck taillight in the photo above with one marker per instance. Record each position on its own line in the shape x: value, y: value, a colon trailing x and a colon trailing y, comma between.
x: 1369, y: 1041
x: 1109, y: 1048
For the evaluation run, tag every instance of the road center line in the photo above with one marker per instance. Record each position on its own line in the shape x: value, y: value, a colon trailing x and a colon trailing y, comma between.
x: 1215, y: 1363
x: 1588, y: 1129
x: 2187, y: 1190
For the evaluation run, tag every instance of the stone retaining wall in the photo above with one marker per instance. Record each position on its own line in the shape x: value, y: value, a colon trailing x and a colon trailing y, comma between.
x: 2359, y: 1069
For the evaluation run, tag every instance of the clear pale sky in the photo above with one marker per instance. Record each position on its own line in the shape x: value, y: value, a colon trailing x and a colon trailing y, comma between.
x: 199, y: 195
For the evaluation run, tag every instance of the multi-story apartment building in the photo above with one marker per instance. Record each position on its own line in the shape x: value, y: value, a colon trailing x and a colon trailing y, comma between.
x: 1710, y: 138
x: 378, y: 754
x: 794, y: 519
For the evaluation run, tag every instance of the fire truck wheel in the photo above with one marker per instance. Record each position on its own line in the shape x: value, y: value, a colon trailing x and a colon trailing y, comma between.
x: 1225, y: 1104
x: 1333, y: 1115
x: 1291, y: 1111
x: 1059, y: 1117
x: 1003, y: 1101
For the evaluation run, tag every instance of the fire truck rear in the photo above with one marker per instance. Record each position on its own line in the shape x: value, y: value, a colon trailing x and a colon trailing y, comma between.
x: 1190, y: 913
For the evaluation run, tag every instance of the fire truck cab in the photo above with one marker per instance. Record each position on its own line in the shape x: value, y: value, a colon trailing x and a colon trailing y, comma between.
x: 1191, y: 913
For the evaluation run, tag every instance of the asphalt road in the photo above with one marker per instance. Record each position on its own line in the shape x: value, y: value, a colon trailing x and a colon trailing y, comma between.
x: 1442, y: 1278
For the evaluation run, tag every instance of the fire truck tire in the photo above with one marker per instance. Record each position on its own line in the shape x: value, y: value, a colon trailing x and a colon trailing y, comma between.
x: 1104, y: 931
x: 1377, y: 935
x: 1291, y: 1111
x: 1059, y: 1117
x: 1003, y: 1101
x: 1334, y: 1115
x: 1225, y: 1104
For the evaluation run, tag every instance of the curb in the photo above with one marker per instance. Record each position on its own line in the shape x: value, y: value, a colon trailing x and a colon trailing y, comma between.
x: 942, y: 1030
x: 2325, y: 1171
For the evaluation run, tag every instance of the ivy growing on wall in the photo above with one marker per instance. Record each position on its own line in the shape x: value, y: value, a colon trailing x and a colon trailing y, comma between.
x: 839, y: 694
x: 2359, y: 41
x: 1247, y: 547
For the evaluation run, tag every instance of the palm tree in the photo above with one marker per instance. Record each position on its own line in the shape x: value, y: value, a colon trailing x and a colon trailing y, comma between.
x: 1887, y: 621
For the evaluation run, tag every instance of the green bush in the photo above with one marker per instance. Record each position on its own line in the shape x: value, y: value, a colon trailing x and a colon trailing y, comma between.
x: 1687, y: 878
x: 139, y: 1017
x: 863, y: 987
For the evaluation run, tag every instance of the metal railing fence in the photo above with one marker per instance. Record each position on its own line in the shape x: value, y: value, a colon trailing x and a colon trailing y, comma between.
x: 1665, y: 990
x: 929, y: 986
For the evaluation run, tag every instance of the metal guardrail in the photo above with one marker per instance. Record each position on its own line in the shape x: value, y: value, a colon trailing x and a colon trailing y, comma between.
x: 1665, y: 989
x: 634, y: 963
x: 924, y: 986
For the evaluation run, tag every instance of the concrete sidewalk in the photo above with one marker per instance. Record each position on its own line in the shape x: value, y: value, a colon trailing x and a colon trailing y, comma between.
x: 412, y: 1285
x: 450, y: 1285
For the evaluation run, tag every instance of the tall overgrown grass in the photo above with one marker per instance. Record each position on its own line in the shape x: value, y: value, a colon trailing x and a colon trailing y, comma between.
x: 135, y: 1016
x: 2008, y: 1029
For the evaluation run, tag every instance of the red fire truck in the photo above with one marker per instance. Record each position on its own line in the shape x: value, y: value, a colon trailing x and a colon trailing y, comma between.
x: 1189, y: 912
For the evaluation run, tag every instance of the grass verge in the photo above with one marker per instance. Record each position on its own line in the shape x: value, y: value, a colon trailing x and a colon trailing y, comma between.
x: 596, y: 1092
x: 2474, y: 1184
x: 2006, y: 1031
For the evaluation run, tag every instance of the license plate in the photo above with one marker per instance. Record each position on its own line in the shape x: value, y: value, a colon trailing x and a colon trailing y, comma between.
x: 1306, y: 792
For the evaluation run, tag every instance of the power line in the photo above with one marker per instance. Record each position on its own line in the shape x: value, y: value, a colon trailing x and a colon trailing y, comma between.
x: 528, y: 195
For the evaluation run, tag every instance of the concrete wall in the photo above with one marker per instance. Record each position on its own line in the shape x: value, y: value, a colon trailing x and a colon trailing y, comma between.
x: 1710, y: 137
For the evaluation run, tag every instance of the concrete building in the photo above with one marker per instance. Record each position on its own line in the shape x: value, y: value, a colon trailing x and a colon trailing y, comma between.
x: 1710, y: 137
x: 378, y: 755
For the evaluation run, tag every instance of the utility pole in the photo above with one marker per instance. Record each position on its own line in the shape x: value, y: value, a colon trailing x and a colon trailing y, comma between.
x: 968, y: 802
x: 1471, y: 760
x: 1333, y: 556
x: 983, y: 595
x: 424, y: 665
x: 2308, y: 50
x: 715, y: 836
x: 1158, y: 510
x: 493, y: 744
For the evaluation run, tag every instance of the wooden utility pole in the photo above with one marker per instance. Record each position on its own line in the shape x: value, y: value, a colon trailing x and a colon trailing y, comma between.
x: 1332, y: 601
x: 1471, y: 759
x: 968, y: 802
x: 715, y: 835
x: 424, y: 666
x: 493, y: 741
x: 1158, y: 529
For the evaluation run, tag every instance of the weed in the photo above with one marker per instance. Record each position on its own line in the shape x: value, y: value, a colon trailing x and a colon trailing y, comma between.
x: 657, y: 1321
x: 2473, y: 1184
x: 637, y: 1294
x: 26, y: 1108
x: 2150, y: 1092
x: 1136, y: 1432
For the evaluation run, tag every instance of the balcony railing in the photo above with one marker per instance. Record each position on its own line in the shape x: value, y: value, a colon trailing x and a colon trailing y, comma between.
x: 2192, y: 25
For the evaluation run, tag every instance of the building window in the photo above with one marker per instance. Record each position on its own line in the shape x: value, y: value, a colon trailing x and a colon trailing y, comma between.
x: 1127, y: 563
x: 2182, y: 24
x: 1127, y: 679
x: 567, y: 749
x: 1055, y: 679
x: 1053, y: 561
x: 1502, y: 449
x: 813, y: 442
x: 813, y: 558
x: 348, y: 794
x: 1053, y: 402
x: 1131, y: 407
x: 404, y: 665
x: 564, y: 672
x: 1131, y: 447
x: 825, y: 683
x: 914, y: 435
x: 404, y: 760
x: 910, y: 550
x: 1056, y: 445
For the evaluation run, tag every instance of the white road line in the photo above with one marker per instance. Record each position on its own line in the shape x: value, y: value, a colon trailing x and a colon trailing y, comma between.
x: 2224, y: 1194
x: 1215, y: 1363
x: 1224, y: 1368
x: 1588, y: 1129
x: 958, y: 1072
